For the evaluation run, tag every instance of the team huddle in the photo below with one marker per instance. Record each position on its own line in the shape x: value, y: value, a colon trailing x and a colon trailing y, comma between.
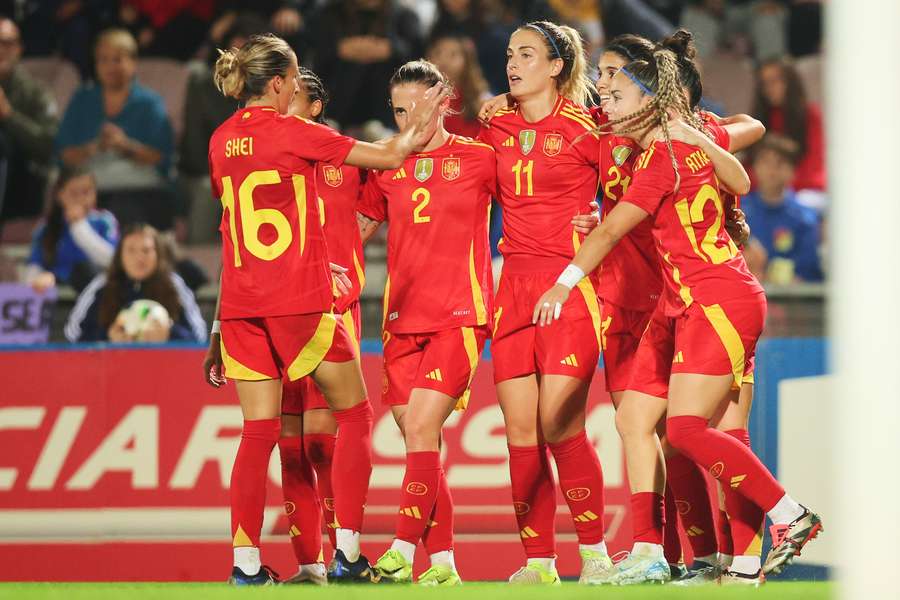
x: 656, y: 281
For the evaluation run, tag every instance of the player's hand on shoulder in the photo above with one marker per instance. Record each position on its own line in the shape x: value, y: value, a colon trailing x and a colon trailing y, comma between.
x: 490, y: 107
x: 549, y: 306
x: 586, y: 223
x: 682, y: 131
x: 341, y: 281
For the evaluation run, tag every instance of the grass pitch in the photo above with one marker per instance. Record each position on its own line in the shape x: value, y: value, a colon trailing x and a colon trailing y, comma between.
x: 469, y: 591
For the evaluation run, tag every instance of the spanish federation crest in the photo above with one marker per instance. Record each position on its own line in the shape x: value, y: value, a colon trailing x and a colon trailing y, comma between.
x: 333, y: 175
x: 450, y: 168
x: 552, y: 144
x: 527, y: 138
x: 621, y: 154
x: 424, y: 169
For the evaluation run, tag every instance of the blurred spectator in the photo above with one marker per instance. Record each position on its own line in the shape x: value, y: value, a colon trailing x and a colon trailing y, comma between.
x: 140, y: 270
x: 205, y: 109
x: 634, y: 16
x: 358, y: 46
x: 120, y: 131
x: 174, y: 28
x: 761, y: 24
x: 67, y: 27
x: 284, y: 17
x: 75, y: 241
x: 27, y: 127
x: 584, y: 16
x: 785, y: 244
x: 455, y: 56
x: 782, y: 107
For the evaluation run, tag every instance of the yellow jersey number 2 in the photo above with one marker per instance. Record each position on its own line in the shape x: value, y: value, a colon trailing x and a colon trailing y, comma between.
x: 253, y: 218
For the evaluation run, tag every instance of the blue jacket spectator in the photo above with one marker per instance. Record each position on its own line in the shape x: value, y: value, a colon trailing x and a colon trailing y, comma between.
x: 75, y: 241
x: 140, y: 270
x: 120, y: 131
x: 787, y: 231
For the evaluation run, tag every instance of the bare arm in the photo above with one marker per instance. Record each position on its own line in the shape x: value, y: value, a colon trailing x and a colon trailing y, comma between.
x: 743, y: 131
x: 213, y: 371
x: 367, y: 227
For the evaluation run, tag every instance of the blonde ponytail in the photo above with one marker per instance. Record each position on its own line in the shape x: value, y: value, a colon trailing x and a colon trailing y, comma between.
x: 227, y: 75
x: 245, y: 73
x: 577, y: 87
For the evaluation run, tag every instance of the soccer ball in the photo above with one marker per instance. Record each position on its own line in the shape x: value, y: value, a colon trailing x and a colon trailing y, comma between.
x: 138, y: 316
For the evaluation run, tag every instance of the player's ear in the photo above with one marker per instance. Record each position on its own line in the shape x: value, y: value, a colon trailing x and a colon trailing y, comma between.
x: 315, y: 109
x: 557, y: 67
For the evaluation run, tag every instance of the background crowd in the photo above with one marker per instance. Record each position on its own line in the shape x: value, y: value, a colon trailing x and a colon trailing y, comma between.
x: 106, y: 109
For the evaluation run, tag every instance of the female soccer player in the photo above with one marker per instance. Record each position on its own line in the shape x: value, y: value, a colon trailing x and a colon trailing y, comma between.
x: 276, y: 293
x: 712, y: 310
x: 307, y: 426
x: 547, y: 173
x: 437, y: 304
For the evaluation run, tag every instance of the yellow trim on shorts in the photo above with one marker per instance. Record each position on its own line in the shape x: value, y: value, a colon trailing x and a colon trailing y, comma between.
x: 385, y: 302
x: 730, y: 338
x: 350, y: 325
x: 315, y: 349
x: 470, y: 343
x: 235, y: 370
x: 590, y: 298
x: 477, y: 298
x: 749, y: 379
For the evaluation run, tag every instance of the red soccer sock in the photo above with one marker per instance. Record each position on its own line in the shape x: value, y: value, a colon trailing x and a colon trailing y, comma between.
x: 581, y: 480
x: 745, y: 519
x: 438, y: 536
x: 319, y: 449
x: 648, y: 517
x: 723, y: 529
x: 421, y: 484
x: 352, y: 464
x: 301, y: 502
x: 248, y: 480
x: 671, y: 538
x: 534, y: 499
x: 727, y: 459
x: 691, y: 492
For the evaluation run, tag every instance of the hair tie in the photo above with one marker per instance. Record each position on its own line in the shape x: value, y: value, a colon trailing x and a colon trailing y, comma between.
x: 638, y: 83
x: 546, y: 35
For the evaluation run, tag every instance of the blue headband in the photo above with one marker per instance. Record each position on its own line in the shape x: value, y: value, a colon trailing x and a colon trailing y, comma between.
x: 631, y: 76
x: 549, y: 39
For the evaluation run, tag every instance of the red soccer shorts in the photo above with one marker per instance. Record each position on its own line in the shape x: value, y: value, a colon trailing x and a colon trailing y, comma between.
x: 569, y: 346
x: 620, y: 333
x: 718, y: 339
x: 291, y: 346
x: 303, y: 395
x: 444, y: 361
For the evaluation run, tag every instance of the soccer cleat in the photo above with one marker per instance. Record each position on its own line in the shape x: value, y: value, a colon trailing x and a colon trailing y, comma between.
x: 701, y: 573
x: 342, y: 570
x: 535, y: 574
x: 393, y: 567
x: 440, y: 575
x: 637, y: 568
x: 596, y: 567
x: 315, y: 576
x: 789, y: 540
x: 265, y: 576
x: 677, y: 571
x: 733, y: 578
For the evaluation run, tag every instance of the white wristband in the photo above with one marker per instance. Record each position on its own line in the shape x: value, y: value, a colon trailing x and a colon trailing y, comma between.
x: 216, y: 328
x: 570, y: 276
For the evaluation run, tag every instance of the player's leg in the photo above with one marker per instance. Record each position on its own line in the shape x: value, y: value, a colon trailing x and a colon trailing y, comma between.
x: 248, y: 361
x: 298, y: 483
x: 319, y: 436
x: 694, y: 398
x: 745, y: 521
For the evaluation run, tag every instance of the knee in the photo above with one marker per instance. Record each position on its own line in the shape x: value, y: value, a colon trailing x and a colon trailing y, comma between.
x: 521, y: 432
x: 554, y: 431
x: 291, y: 426
x: 420, y: 436
x: 681, y: 430
x: 630, y: 425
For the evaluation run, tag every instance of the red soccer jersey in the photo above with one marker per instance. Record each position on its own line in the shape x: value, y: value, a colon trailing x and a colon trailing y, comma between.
x: 439, y: 258
x: 339, y: 190
x: 547, y: 174
x: 262, y: 167
x: 700, y: 261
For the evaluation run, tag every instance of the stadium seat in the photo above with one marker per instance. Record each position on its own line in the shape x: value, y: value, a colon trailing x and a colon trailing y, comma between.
x: 729, y: 79
x: 810, y: 70
x: 168, y: 78
x: 57, y: 74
